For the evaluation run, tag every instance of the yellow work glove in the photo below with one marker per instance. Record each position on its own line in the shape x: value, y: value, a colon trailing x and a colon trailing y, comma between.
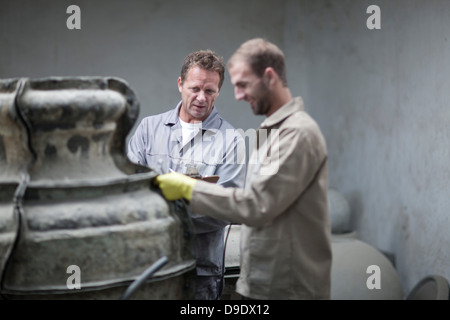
x: 175, y: 185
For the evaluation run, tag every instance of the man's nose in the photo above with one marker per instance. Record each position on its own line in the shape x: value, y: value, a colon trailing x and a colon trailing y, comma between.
x: 239, y: 93
x: 201, y: 97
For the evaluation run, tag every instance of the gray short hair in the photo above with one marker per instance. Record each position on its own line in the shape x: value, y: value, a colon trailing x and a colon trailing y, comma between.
x: 205, y: 59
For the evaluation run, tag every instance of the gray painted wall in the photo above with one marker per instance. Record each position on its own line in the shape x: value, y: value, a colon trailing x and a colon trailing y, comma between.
x: 382, y: 100
x: 380, y: 96
x: 143, y: 42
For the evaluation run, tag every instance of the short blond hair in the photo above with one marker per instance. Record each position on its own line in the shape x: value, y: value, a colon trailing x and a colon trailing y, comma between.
x: 261, y: 54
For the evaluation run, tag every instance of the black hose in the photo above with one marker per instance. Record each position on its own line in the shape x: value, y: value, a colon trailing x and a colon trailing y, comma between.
x: 222, y: 280
x: 144, y: 276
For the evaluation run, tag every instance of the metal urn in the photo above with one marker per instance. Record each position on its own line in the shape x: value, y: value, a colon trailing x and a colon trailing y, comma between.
x: 78, y: 220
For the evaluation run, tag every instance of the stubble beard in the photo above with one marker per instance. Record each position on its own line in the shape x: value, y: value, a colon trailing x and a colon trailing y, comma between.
x: 262, y: 105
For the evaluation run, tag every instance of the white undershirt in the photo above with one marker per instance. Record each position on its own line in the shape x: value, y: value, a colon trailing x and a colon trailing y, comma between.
x: 189, y: 130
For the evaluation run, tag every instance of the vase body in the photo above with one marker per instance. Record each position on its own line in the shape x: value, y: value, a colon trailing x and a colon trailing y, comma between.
x: 362, y: 272
x: 14, y: 158
x: 79, y: 203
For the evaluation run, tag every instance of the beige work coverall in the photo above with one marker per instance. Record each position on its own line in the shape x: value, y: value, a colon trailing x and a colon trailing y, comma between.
x: 285, y: 236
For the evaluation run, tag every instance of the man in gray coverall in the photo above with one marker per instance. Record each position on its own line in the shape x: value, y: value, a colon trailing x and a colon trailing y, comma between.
x: 194, y: 136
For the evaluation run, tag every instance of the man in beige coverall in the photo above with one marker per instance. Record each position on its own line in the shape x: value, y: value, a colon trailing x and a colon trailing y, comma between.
x: 285, y: 235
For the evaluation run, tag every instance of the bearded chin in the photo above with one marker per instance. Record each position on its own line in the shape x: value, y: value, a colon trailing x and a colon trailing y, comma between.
x: 263, y: 105
x: 260, y: 108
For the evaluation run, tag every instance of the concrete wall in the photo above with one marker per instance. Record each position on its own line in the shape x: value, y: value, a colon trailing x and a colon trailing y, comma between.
x: 380, y: 96
x: 382, y: 100
x: 141, y: 41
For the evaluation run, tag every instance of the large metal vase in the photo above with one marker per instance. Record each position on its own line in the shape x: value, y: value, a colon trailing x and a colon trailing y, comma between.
x: 14, y: 158
x: 71, y: 200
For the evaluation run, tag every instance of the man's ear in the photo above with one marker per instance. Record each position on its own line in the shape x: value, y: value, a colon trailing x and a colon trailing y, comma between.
x: 180, y: 84
x: 270, y: 75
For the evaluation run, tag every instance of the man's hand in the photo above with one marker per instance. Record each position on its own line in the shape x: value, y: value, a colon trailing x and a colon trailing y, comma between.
x: 175, y: 185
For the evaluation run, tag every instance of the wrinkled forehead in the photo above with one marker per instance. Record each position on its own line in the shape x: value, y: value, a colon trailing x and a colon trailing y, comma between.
x: 201, y: 75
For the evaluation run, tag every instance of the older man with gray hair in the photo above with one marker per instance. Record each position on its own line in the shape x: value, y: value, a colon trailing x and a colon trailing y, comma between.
x: 194, y: 138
